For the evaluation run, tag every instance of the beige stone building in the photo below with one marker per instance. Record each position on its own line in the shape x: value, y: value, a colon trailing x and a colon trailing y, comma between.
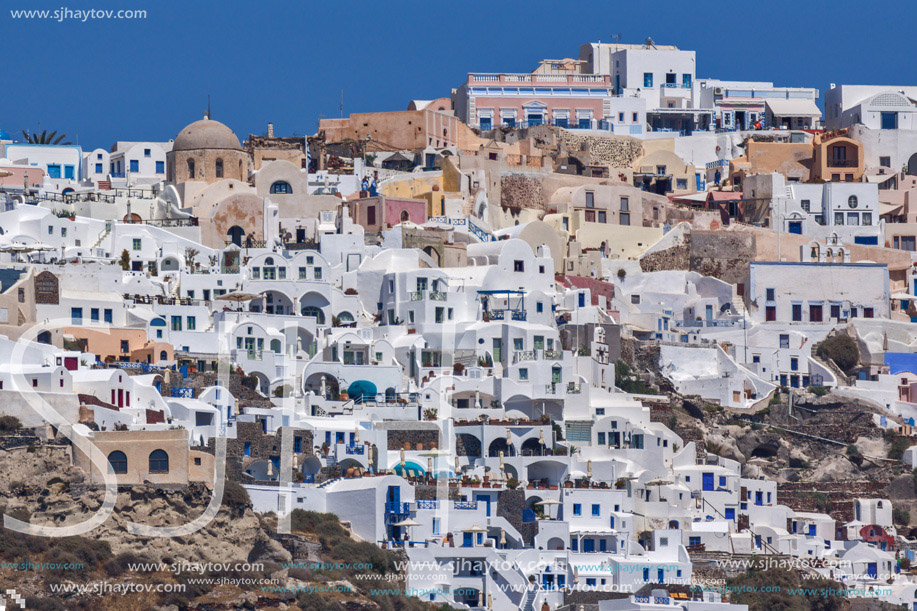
x: 206, y: 151
x: 155, y: 457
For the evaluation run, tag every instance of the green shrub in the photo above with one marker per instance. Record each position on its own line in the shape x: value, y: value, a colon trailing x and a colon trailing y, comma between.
x: 898, y: 446
x: 235, y: 496
x: 798, y: 463
x: 818, y: 391
x: 842, y: 349
x: 854, y: 456
x: 901, y: 516
x: 9, y: 424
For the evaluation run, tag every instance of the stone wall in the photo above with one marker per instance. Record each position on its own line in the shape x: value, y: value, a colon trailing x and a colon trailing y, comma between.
x: 722, y: 254
x: 519, y: 191
x: 612, y: 151
x: 429, y: 439
x: 677, y: 257
x: 262, y: 447
x: 510, y: 504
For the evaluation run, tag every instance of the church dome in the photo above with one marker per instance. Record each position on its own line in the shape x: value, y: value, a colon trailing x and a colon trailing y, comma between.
x: 206, y: 134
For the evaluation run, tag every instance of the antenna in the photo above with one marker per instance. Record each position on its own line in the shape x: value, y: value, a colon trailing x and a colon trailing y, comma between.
x: 616, y: 38
x: 209, y: 116
x: 342, y: 103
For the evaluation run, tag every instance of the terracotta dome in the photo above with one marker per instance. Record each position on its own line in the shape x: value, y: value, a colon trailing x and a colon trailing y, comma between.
x: 206, y: 134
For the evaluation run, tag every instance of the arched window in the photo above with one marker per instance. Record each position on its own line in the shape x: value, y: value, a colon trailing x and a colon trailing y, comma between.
x: 405, y: 217
x: 315, y: 312
x: 159, y: 462
x: 118, y: 461
x: 190, y: 169
x: 275, y: 346
x: 852, y: 201
x: 163, y: 356
x: 219, y: 168
x: 281, y: 187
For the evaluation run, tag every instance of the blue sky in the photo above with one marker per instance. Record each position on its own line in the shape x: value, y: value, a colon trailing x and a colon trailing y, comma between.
x: 287, y: 61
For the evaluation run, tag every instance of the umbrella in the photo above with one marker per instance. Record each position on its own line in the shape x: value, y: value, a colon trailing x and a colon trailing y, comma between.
x: 502, y: 466
x: 474, y: 529
x: 502, y: 537
x: 402, y: 460
x: 458, y: 467
x: 541, y: 436
x: 42, y: 246
x: 589, y: 468
x: 238, y: 296
x: 356, y: 434
x: 429, y: 465
x: 270, y: 468
x: 509, y: 437
x: 549, y: 502
x: 407, y: 523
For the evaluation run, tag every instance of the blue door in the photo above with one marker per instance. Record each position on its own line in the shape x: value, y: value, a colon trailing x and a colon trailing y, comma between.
x: 486, y: 500
x: 660, y: 576
x: 872, y: 569
x: 730, y: 513
x: 588, y: 545
x: 467, y: 539
x: 646, y: 575
x: 708, y: 481
x: 812, y: 529
x: 795, y: 227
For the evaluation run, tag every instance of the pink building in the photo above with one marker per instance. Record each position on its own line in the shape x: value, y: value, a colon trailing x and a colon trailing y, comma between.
x: 579, y: 101
x: 18, y: 175
x: 378, y: 213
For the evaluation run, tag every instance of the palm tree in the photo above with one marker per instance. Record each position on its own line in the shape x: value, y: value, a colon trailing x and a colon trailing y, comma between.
x: 45, y: 138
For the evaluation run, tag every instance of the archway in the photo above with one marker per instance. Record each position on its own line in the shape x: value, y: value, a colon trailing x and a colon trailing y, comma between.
x: 467, y: 445
x: 362, y: 390
x: 433, y: 253
x: 314, y: 384
x: 236, y: 234
x: 258, y: 471
x: 912, y: 165
x: 532, y: 447
x: 499, y: 445
x: 44, y: 337
x: 133, y: 217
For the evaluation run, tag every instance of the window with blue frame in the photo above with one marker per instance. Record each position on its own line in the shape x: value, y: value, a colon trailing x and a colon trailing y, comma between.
x: 436, y: 526
x: 577, y: 509
x: 596, y: 510
x: 53, y: 170
x: 160, y: 167
x: 730, y: 513
x: 107, y: 315
x: 69, y: 172
x: 94, y: 314
x: 297, y: 444
x: 539, y: 307
x: 247, y: 449
x: 485, y: 123
x: 560, y: 122
x: 98, y: 168
x: 76, y: 315
x: 686, y: 81
x: 647, y: 79
x: 693, y: 541
x: 574, y: 544
x: 135, y: 165
x: 585, y: 123
x: 722, y: 481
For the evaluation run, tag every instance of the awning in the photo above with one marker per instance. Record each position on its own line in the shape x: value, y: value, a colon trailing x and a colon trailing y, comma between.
x: 793, y: 108
x: 879, y: 178
x: 885, y: 208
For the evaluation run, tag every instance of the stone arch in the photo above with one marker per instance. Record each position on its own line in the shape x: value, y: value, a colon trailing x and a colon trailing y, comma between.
x: 467, y: 445
x: 434, y: 254
x: 499, y: 445
x: 236, y: 234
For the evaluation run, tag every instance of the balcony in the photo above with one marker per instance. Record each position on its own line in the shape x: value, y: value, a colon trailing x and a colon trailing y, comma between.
x: 526, y: 77
x: 842, y: 163
x: 553, y: 355
x: 523, y: 355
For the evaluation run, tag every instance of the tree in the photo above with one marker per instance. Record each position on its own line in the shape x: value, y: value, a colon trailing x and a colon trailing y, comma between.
x: 125, y: 260
x: 45, y: 137
x: 842, y: 349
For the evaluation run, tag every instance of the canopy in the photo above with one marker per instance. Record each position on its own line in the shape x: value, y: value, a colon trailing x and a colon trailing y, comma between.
x: 409, y: 466
x: 793, y: 108
x: 239, y: 296
x: 362, y: 390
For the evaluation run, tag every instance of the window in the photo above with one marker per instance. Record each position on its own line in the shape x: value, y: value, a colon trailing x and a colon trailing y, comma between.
x: 577, y: 509
x: 625, y: 204
x: 794, y: 364
x: 76, y: 315
x: 53, y: 170
x: 889, y: 120
x: 160, y: 167
x: 806, y: 205
x: 176, y: 323
x: 219, y: 168
x: 852, y: 201
x: 815, y: 313
x: 98, y: 168
x: 317, y: 273
x: 68, y: 172
x: 867, y: 218
x: 647, y: 79
x: 797, y: 312
x: 539, y: 307
x: 885, y: 162
x: 371, y: 215
x: 603, y: 217
x: 135, y: 165
x: 590, y: 199
x: 624, y: 218
x: 118, y: 461
x: 94, y: 314
x: 595, y: 510
x: 769, y: 294
x: 523, y: 374
x: 281, y: 187
x: 192, y: 323
x: 107, y: 314
x: 125, y: 346
x: 191, y: 169
x: 137, y: 243
x: 159, y: 462
x: 518, y: 266
x: 868, y: 313
x: 838, y: 218
x: 681, y: 183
